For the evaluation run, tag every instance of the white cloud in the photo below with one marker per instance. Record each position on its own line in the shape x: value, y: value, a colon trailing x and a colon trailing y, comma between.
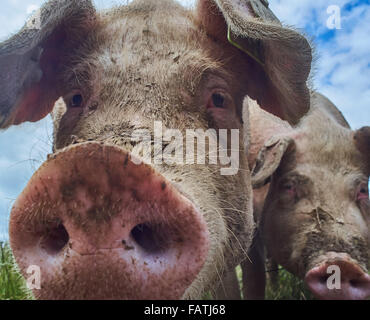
x: 31, y: 8
x: 343, y: 68
x: 13, y: 15
x: 303, y: 13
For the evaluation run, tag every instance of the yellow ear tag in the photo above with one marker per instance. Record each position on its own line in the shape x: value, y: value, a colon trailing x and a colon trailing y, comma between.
x: 249, y: 46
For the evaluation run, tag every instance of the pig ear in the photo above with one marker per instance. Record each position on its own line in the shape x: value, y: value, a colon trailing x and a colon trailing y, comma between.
x: 322, y: 102
x: 362, y: 142
x: 31, y: 61
x: 269, y: 159
x: 282, y: 57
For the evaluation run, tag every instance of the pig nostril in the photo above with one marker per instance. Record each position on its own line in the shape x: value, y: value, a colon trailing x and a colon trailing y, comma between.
x: 55, y: 240
x: 323, y: 279
x: 151, y: 238
x: 355, y: 283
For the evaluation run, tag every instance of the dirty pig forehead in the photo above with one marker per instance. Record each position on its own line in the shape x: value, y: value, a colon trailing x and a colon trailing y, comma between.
x: 140, y: 18
x: 325, y: 161
x: 169, y: 51
x: 147, y: 32
x: 333, y: 149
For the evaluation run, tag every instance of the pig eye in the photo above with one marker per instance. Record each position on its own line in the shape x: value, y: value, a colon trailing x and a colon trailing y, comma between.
x: 288, y: 192
x: 363, y: 192
x: 76, y: 101
x: 217, y: 100
x: 288, y: 187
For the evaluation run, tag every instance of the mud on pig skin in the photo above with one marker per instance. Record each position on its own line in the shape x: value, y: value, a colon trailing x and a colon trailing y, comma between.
x: 311, y: 199
x: 98, y: 225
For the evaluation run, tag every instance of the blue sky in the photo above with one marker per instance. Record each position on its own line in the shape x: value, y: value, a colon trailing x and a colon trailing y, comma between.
x: 342, y: 72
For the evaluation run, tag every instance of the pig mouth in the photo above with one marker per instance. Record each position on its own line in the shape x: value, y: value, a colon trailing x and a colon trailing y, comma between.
x: 101, y: 226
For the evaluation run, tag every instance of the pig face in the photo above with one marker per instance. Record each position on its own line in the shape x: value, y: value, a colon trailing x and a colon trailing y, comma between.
x: 100, y: 217
x: 317, y: 211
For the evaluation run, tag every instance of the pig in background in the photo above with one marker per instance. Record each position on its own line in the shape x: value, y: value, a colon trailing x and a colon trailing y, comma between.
x: 311, y: 201
x: 98, y: 225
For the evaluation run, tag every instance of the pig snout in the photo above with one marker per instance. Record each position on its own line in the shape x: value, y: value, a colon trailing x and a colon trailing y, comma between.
x: 352, y: 282
x: 100, y: 225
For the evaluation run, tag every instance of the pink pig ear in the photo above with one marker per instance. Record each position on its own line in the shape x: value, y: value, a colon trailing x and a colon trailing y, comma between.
x: 281, y: 56
x: 362, y: 141
x: 32, y: 60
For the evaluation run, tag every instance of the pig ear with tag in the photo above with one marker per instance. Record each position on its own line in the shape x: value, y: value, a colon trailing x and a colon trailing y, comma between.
x: 362, y: 141
x: 282, y: 57
x: 269, y: 160
x: 32, y: 60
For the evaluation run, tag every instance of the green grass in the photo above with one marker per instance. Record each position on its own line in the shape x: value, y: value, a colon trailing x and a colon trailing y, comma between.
x: 12, y: 284
x: 287, y: 287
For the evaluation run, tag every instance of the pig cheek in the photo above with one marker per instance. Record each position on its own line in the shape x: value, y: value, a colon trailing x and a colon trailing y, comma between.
x: 277, y: 229
x: 223, y: 118
x: 285, y: 240
x: 365, y: 209
x: 361, y: 219
x: 289, y: 198
x: 279, y: 223
x: 66, y: 128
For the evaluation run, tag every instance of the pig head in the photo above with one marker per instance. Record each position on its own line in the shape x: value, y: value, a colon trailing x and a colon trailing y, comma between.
x: 100, y: 218
x: 315, y: 212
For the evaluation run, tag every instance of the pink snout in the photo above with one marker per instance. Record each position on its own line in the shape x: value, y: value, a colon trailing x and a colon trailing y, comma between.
x: 100, y: 226
x: 353, y: 283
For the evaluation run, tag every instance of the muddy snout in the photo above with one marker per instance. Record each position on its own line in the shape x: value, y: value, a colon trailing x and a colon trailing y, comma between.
x: 338, y: 278
x: 100, y: 226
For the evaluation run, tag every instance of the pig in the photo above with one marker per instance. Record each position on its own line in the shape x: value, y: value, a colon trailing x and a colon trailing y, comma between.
x: 101, y: 219
x: 311, y: 201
